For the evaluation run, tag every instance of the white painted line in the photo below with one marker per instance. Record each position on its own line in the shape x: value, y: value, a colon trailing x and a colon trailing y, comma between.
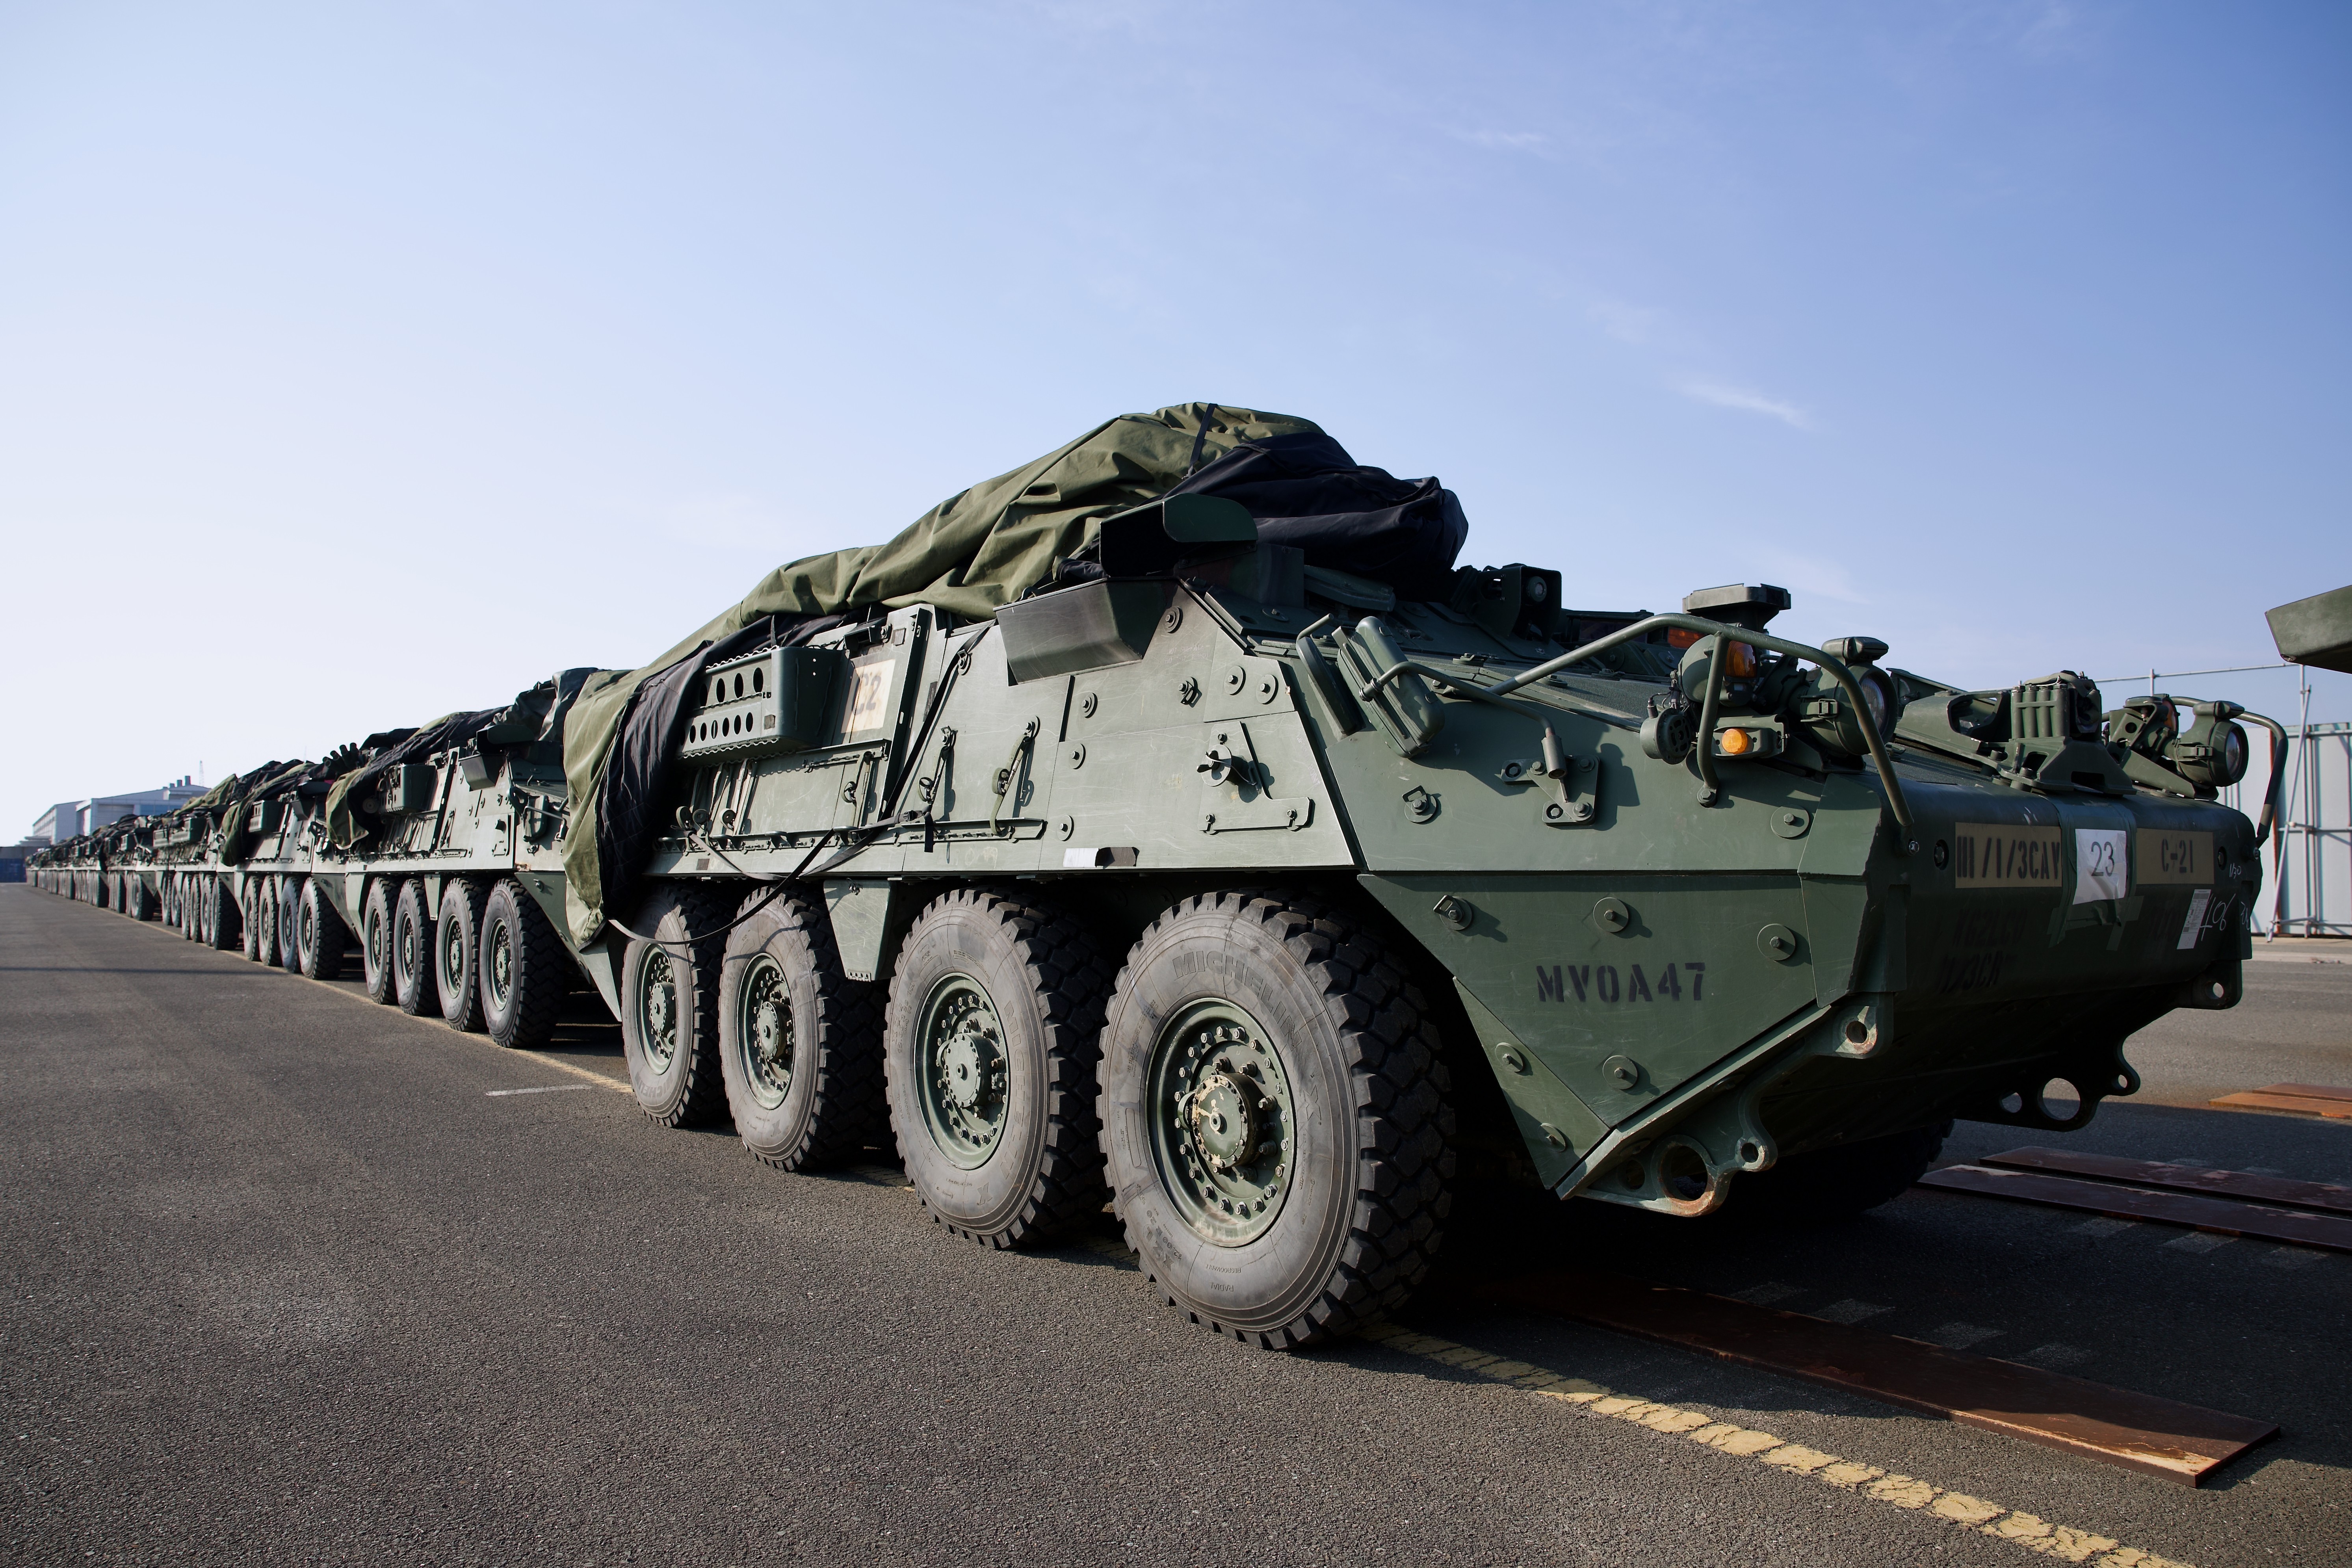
x: 1850, y: 1312
x: 2199, y: 1241
x: 1961, y: 1336
x: 542, y: 1088
x: 1764, y: 1295
x: 2104, y: 1227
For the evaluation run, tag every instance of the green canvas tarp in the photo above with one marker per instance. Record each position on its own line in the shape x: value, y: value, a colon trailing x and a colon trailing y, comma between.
x: 970, y: 555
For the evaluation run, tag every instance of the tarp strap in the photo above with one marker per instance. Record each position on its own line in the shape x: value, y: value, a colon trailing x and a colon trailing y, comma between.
x: 1200, y: 439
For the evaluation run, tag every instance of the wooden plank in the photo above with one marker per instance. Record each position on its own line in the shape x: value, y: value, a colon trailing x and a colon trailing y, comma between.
x: 2262, y: 1099
x: 2182, y: 1443
x: 2308, y: 1091
x: 2243, y: 1184
x: 2300, y: 1226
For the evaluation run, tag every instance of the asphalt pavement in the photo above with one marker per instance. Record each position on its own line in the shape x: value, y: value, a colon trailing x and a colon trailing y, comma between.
x: 295, y: 1278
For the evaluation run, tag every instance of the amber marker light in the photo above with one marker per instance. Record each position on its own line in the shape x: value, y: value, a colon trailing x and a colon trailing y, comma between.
x: 1733, y: 742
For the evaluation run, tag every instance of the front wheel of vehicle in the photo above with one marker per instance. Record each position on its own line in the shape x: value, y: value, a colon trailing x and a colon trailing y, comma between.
x: 669, y: 1008
x: 457, y: 948
x: 989, y: 1046
x: 375, y: 941
x: 288, y: 916
x: 1275, y: 1119
x: 523, y: 969
x: 412, y: 954
x: 224, y: 930
x: 319, y: 933
x: 799, y: 1041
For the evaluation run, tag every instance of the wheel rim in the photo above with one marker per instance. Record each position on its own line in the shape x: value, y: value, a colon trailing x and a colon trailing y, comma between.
x: 1222, y: 1121
x: 765, y: 1042
x: 499, y: 964
x: 658, y: 1010
x: 453, y: 958
x: 375, y: 952
x: 306, y: 934
x: 963, y: 1069
x: 403, y: 949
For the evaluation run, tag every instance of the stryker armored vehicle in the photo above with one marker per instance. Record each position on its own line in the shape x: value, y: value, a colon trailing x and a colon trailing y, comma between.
x: 1172, y: 821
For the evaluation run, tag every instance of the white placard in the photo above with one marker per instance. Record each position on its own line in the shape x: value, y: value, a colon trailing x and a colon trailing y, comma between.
x: 2193, y: 926
x: 2102, y: 863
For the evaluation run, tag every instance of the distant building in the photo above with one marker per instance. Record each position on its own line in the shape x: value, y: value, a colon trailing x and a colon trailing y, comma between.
x: 14, y: 856
x: 70, y: 818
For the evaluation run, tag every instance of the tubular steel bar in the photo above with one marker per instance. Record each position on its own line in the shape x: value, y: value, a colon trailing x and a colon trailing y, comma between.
x: 2242, y: 1185
x: 2161, y: 1437
x: 1729, y: 634
x: 2300, y: 1228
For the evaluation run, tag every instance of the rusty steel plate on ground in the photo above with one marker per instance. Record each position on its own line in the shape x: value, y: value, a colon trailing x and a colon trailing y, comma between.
x: 2140, y: 1432
x: 2245, y: 1184
x: 2301, y: 1226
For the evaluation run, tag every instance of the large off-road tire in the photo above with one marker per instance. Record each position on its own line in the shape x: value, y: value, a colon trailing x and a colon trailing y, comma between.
x: 670, y: 1008
x: 1829, y: 1186
x: 989, y: 1047
x: 413, y: 952
x: 524, y: 972
x: 799, y: 1042
x: 1274, y: 1117
x: 251, y: 918
x: 224, y: 930
x: 457, y: 954
x: 289, y: 923
x: 375, y: 941
x: 321, y: 936
x: 138, y: 902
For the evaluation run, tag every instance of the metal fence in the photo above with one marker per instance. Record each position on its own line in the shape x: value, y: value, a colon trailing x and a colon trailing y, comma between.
x: 2307, y: 864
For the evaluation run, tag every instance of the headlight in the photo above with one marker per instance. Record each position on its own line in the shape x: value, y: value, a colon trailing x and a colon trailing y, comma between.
x: 2212, y: 751
x: 1829, y: 717
x: 1873, y: 697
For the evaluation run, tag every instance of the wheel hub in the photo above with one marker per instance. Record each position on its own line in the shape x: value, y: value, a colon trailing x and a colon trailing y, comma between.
x: 968, y: 1066
x: 1223, y: 1121
x: 965, y: 1072
x: 660, y: 1013
x: 766, y: 1048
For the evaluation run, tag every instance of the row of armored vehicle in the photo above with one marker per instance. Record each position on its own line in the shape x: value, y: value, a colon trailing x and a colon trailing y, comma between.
x: 1172, y: 823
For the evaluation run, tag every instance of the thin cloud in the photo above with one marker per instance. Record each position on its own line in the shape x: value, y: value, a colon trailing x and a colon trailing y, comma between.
x: 1626, y: 323
x: 1503, y: 141
x: 1747, y: 402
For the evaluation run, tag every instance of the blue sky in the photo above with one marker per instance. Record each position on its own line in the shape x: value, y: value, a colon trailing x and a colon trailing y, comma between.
x: 361, y: 362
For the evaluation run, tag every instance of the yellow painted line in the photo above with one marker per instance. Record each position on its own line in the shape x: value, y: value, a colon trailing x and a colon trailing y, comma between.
x: 2064, y: 1542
